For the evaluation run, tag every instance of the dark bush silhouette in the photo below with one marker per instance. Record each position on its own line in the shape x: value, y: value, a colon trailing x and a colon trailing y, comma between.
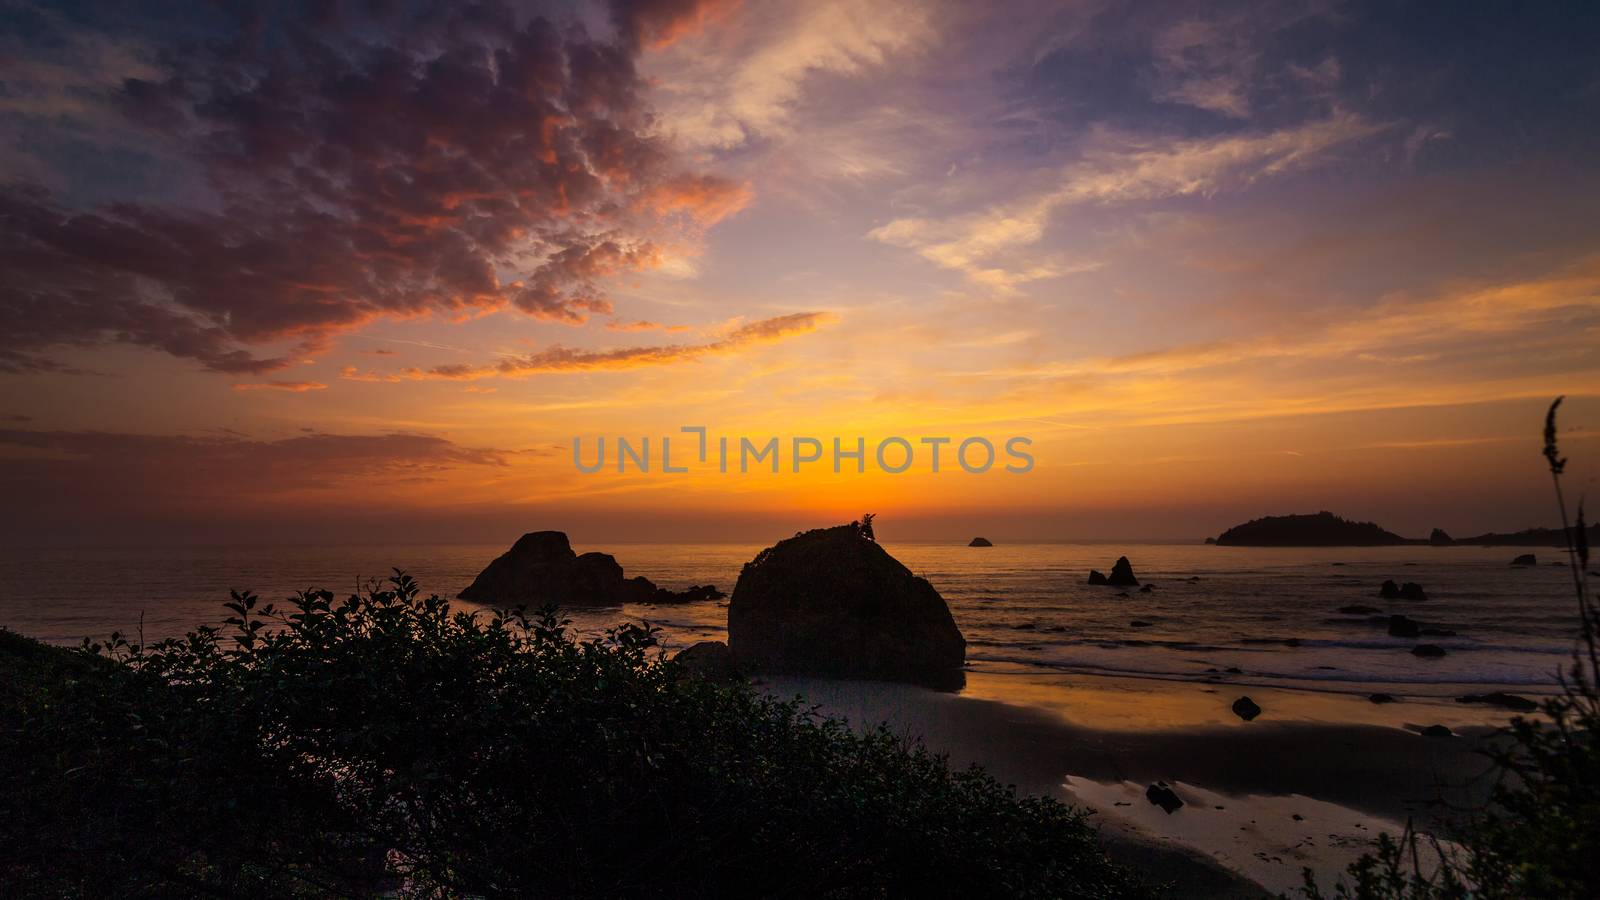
x: 388, y: 743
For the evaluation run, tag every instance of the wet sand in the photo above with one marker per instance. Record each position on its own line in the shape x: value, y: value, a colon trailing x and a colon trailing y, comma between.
x: 1348, y: 768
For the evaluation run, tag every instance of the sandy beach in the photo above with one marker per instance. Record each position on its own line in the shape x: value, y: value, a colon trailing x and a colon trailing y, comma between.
x: 1309, y: 783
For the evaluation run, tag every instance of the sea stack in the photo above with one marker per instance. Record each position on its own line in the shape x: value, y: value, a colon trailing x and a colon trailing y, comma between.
x: 541, y: 568
x: 981, y: 542
x: 833, y: 602
x: 1121, y: 575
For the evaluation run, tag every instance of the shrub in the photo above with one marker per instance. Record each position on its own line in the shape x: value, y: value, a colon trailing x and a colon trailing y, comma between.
x: 389, y: 743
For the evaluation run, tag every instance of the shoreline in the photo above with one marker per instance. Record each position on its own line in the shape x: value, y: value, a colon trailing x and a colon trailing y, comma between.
x: 1309, y: 783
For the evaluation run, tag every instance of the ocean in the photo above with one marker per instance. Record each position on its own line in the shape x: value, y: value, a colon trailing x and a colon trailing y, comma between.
x: 1270, y: 612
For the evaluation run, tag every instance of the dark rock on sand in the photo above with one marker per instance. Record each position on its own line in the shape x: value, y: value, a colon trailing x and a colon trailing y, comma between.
x: 1526, y: 559
x: 1436, y: 731
x: 981, y: 542
x: 1164, y: 797
x: 1427, y: 651
x: 1501, y: 699
x: 1438, y: 538
x: 541, y: 568
x: 832, y: 602
x: 1359, y: 610
x: 1403, y: 627
x: 1246, y: 709
x: 1381, y: 698
x: 1097, y: 577
x: 711, y: 660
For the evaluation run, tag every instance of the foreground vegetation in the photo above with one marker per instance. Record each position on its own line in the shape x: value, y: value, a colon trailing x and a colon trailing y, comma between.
x: 1540, y: 834
x: 386, y: 743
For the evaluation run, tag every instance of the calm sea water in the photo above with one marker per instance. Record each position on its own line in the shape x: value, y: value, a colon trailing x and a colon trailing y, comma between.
x: 1020, y: 605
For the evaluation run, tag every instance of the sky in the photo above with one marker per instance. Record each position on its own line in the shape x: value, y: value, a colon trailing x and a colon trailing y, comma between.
x: 368, y: 271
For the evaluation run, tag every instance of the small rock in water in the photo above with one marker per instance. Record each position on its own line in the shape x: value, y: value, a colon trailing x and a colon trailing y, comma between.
x: 1359, y: 610
x: 1136, y: 623
x: 1246, y: 709
x: 1408, y: 591
x: 1164, y: 797
x: 1122, y: 573
x: 1298, y: 818
x: 1403, y: 627
x: 1501, y: 699
x: 1437, y: 731
x: 1381, y: 698
x: 1234, y: 670
x: 1438, y: 632
x: 1027, y: 626
x: 981, y: 542
x: 1097, y: 577
x: 1428, y: 651
x: 1526, y: 559
x: 1147, y: 589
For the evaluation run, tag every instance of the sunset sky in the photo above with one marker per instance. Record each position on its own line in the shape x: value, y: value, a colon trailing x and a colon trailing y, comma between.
x: 363, y: 270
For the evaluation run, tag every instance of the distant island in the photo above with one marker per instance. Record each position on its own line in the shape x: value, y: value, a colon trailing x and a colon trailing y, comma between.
x: 1324, y: 529
x: 1529, y: 537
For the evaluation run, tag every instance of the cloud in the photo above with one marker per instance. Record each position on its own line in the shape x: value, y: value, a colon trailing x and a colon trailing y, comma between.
x: 725, y: 94
x: 654, y: 24
x: 57, y: 475
x: 419, y: 161
x: 566, y: 359
x: 293, y: 387
x: 1115, y: 170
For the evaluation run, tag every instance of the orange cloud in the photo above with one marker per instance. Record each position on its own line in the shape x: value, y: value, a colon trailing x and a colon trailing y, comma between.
x: 654, y: 24
x: 351, y: 373
x: 706, y: 199
x: 294, y: 387
x: 568, y: 359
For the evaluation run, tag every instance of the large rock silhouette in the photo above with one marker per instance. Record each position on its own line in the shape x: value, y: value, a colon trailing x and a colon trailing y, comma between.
x: 832, y: 602
x: 540, y: 568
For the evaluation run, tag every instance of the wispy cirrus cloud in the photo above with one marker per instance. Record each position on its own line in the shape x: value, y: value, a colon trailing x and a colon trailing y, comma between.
x: 292, y: 387
x: 744, y: 84
x: 1115, y: 170
x: 566, y: 359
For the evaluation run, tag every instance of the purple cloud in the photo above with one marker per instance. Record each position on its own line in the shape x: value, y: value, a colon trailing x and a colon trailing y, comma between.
x: 449, y: 160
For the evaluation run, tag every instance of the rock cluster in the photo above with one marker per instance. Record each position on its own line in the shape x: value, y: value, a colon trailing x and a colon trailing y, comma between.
x: 541, y: 568
x: 1408, y: 591
x: 1121, y: 575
